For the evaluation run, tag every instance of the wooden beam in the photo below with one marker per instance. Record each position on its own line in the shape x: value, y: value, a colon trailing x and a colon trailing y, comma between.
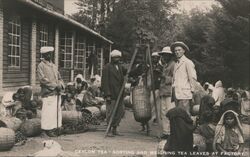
x: 72, y: 57
x: 57, y: 46
x: 1, y: 46
x: 101, y: 61
x: 33, y: 42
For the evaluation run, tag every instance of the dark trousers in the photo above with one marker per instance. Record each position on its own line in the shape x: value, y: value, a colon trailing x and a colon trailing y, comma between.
x: 119, y: 112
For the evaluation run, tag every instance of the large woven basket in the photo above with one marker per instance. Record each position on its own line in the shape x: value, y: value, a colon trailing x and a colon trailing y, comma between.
x: 7, y: 139
x: 71, y: 117
x: 95, y: 111
x: 31, y: 127
x: 141, y: 103
x: 10, y: 122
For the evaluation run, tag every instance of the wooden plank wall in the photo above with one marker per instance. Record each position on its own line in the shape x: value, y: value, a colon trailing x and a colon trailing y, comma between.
x: 51, y: 40
x: 16, y: 78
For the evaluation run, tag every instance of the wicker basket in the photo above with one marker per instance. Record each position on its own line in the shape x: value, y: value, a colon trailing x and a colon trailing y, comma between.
x: 71, y: 117
x: 141, y: 104
x: 10, y: 122
x: 31, y: 127
x: 95, y: 111
x: 7, y: 139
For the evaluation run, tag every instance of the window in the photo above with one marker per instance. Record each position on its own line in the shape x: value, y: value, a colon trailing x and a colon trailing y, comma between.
x: 79, y: 52
x: 66, y: 40
x: 43, y: 36
x: 14, y: 44
x: 99, y: 56
x: 44, y: 32
x: 90, y: 49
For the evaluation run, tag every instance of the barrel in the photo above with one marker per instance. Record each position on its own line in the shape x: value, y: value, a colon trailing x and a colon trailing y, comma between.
x: 141, y: 103
x: 95, y: 111
x: 127, y: 102
x: 103, y: 110
x: 31, y: 127
x: 10, y: 122
x: 160, y: 148
x: 7, y: 139
x: 246, y: 131
x: 200, y: 142
x: 69, y: 117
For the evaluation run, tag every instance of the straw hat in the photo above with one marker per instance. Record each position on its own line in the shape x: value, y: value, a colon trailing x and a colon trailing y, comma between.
x: 181, y: 44
x: 166, y: 50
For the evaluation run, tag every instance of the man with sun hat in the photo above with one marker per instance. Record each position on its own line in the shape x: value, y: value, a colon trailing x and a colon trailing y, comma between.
x: 167, y: 61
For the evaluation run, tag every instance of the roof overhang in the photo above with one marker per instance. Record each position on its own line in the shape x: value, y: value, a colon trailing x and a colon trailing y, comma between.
x: 64, y: 18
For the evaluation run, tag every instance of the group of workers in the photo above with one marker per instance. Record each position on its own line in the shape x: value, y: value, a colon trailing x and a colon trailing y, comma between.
x: 175, y: 82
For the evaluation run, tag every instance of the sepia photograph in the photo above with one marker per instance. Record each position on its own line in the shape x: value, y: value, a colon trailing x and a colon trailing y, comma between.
x: 124, y: 78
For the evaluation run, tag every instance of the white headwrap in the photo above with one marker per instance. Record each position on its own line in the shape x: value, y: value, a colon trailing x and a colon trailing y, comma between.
x: 46, y: 49
x: 115, y: 53
x: 220, y: 127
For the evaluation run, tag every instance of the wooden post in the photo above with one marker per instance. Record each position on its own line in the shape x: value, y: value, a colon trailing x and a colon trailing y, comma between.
x: 85, y: 59
x: 101, y: 61
x: 1, y: 46
x: 57, y: 46
x: 33, y: 52
x: 152, y: 82
x: 110, y: 49
x: 72, y: 54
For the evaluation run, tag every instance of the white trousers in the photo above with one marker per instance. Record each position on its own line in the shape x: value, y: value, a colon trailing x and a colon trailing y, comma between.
x: 166, y: 105
x: 49, y: 113
x: 157, y: 103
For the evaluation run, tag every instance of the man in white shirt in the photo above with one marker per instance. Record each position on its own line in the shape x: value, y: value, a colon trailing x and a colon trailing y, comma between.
x: 184, y: 76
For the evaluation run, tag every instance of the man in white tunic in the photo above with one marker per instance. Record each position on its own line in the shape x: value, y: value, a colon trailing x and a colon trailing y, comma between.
x: 51, y: 85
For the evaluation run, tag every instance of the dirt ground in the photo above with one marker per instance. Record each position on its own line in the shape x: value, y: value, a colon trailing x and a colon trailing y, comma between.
x: 93, y: 143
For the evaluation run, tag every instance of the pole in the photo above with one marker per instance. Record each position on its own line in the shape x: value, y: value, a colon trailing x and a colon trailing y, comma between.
x: 121, y: 91
x: 152, y: 82
x: 57, y: 110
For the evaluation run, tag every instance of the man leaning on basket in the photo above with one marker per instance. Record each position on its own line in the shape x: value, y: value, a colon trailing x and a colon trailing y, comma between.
x: 51, y: 85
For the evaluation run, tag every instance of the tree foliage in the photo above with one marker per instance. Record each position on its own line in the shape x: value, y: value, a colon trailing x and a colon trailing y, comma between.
x: 218, y: 39
x: 94, y: 13
x: 135, y: 21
